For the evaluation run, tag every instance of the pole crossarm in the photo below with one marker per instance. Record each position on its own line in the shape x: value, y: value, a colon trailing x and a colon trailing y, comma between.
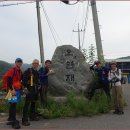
x: 79, y: 31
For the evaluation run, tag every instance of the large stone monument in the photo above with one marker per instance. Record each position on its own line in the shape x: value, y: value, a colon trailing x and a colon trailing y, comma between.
x: 71, y: 71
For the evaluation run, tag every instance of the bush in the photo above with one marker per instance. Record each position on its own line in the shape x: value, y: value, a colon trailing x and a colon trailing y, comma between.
x: 0, y: 85
x: 4, y: 106
x: 76, y: 106
x: 73, y: 107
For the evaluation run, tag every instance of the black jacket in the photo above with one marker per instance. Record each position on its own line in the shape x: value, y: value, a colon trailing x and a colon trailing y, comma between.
x: 27, y: 78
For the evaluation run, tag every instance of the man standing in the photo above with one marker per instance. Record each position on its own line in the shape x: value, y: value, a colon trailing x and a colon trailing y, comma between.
x: 31, y: 83
x: 115, y: 80
x: 101, y: 74
x: 44, y: 73
x: 14, y: 78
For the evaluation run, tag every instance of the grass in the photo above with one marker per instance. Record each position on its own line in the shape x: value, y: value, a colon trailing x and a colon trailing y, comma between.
x: 76, y: 106
x: 4, y: 105
x: 0, y: 85
x: 73, y: 107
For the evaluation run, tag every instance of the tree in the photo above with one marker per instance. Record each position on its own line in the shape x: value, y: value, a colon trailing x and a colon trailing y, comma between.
x: 91, y: 54
x: 85, y: 53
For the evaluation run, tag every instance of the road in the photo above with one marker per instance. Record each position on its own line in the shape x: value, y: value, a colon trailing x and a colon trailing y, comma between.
x: 105, y: 121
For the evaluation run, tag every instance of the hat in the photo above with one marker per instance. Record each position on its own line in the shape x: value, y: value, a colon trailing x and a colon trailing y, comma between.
x: 35, y: 61
x: 113, y: 63
x: 18, y: 60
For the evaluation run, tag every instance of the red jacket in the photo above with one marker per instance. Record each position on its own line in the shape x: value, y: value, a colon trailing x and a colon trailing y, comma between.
x: 14, y: 78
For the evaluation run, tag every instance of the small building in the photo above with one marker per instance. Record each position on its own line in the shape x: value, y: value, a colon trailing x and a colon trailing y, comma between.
x: 122, y: 63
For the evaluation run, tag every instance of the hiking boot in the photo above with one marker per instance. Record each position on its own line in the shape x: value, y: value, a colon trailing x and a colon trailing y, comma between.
x: 34, y: 118
x: 116, y: 111
x: 9, y: 119
x: 120, y: 113
x: 25, y: 122
x: 9, y: 123
x: 38, y: 114
x: 16, y: 125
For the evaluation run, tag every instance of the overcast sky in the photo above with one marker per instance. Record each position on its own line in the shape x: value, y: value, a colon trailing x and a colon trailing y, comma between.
x: 19, y: 35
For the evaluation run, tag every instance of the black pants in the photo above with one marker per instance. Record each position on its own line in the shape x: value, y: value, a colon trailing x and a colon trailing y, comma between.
x: 43, y: 94
x: 26, y: 112
x: 103, y: 86
x: 12, y: 112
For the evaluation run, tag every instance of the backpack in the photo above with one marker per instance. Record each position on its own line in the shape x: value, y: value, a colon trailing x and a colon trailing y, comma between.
x: 123, y: 81
x: 4, y: 81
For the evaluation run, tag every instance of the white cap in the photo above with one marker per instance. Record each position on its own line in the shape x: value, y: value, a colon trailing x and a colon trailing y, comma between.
x: 35, y: 61
x: 113, y: 62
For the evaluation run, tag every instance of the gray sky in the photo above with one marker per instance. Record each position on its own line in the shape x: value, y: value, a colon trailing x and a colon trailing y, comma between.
x: 19, y: 38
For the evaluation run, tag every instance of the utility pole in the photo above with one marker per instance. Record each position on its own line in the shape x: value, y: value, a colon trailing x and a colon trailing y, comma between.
x: 97, y: 32
x: 40, y: 33
x: 79, y: 36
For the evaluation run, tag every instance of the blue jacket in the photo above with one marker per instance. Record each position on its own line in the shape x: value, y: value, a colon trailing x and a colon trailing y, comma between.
x: 102, y: 74
x: 43, y: 75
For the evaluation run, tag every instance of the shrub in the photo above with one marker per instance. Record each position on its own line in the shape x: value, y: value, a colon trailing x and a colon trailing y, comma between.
x: 0, y: 84
x: 73, y: 107
x: 76, y: 106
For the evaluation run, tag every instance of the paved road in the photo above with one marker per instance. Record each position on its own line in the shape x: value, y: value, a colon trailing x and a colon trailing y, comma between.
x: 106, y: 121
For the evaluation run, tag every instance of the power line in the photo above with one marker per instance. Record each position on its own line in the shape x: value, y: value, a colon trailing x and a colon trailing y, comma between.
x: 52, y: 29
x: 79, y: 31
x: 83, y: 15
x: 13, y: 4
x: 86, y: 22
x: 74, y: 24
x: 47, y: 18
x: 51, y: 25
x: 67, y: 2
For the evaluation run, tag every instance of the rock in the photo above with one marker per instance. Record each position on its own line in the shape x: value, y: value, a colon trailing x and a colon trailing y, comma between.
x: 71, y: 71
x: 63, y: 99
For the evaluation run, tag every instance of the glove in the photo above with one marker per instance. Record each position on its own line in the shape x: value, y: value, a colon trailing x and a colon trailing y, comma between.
x: 13, y: 92
x: 51, y: 72
x: 25, y: 91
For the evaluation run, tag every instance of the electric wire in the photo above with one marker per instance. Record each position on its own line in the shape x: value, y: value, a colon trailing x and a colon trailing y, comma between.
x: 86, y: 23
x: 14, y: 4
x: 49, y: 23
x: 52, y: 29
x: 83, y: 16
x: 75, y: 20
x: 73, y: 3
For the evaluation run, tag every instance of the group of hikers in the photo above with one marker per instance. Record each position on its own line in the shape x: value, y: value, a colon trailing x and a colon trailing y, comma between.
x: 33, y: 83
x: 107, y: 78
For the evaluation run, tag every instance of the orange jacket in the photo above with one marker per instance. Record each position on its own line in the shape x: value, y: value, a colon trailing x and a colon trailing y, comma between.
x: 14, y: 78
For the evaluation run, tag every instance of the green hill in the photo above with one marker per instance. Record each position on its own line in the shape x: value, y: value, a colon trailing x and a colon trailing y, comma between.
x: 4, y: 67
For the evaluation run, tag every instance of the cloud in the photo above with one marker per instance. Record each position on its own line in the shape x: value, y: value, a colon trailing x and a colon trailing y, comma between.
x: 19, y: 35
